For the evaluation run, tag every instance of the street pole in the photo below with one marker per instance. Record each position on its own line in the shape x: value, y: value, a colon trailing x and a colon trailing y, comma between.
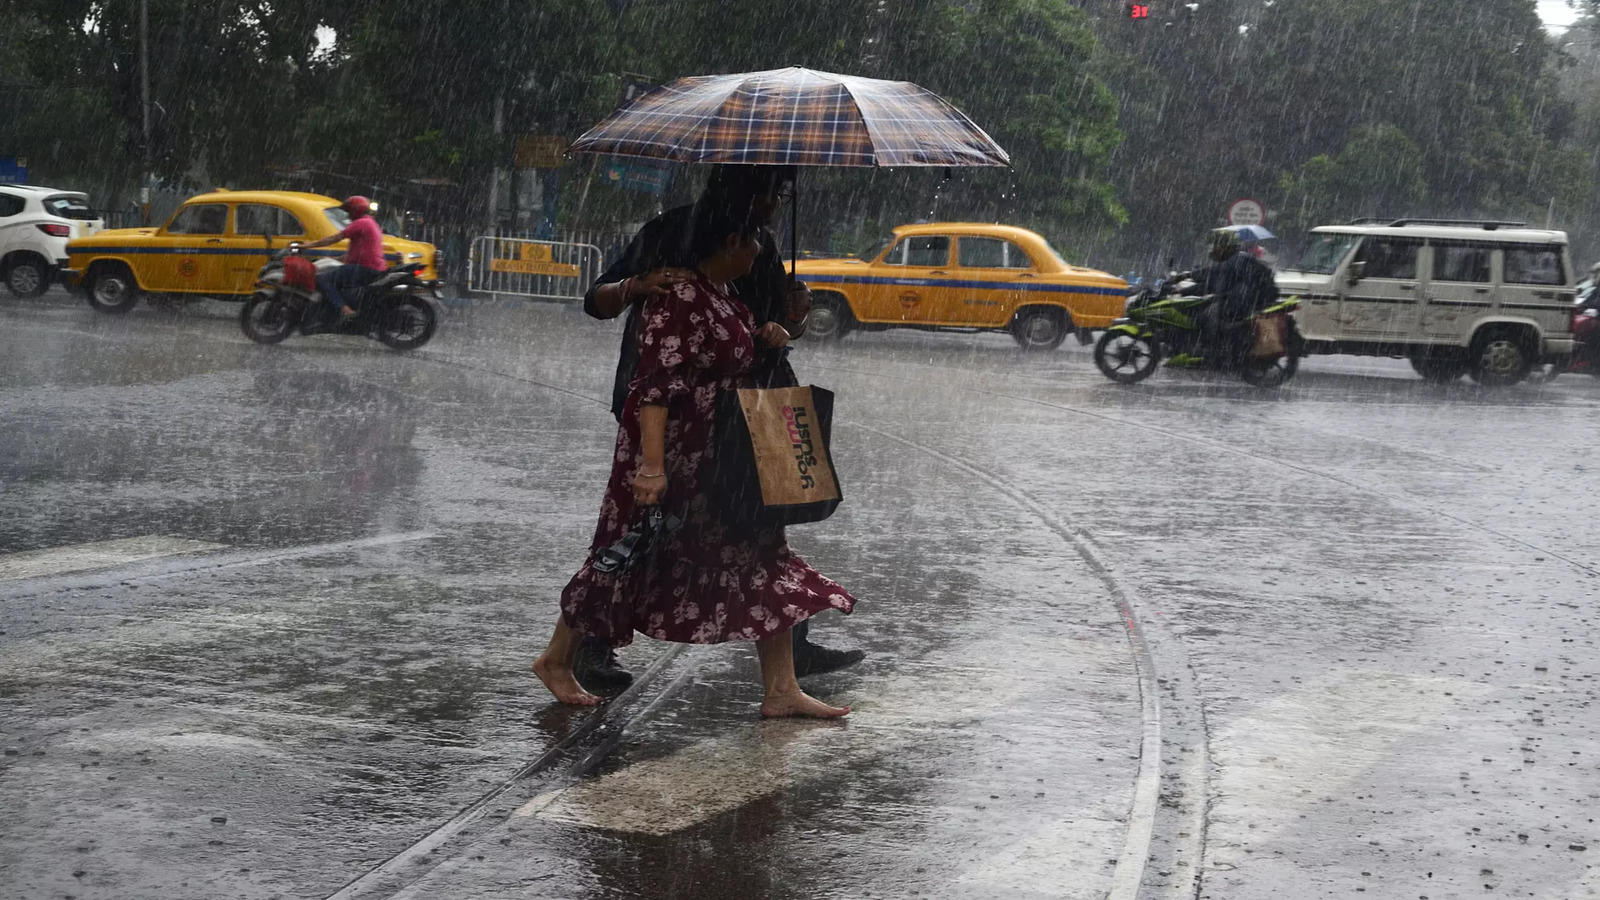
x: 501, y: 78
x: 499, y: 141
x: 144, y: 104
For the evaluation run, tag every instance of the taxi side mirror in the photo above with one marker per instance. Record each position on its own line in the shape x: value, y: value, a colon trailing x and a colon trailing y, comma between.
x: 1354, y: 275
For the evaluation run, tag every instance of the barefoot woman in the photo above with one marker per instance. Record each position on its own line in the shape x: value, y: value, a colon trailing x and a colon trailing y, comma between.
x: 708, y: 582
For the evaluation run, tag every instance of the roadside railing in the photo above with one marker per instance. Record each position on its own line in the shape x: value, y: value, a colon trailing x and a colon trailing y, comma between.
x: 540, y: 269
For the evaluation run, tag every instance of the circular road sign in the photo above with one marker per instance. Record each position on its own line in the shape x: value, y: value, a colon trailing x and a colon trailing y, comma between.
x: 1245, y: 211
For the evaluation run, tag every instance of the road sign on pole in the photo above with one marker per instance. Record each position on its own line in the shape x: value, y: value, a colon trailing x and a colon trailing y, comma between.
x: 1246, y: 211
x: 13, y: 170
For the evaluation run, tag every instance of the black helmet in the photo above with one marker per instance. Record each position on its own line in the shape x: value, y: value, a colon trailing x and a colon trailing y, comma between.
x: 1224, y: 243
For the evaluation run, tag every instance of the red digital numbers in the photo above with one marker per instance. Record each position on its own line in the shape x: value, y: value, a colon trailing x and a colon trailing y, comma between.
x: 1139, y: 11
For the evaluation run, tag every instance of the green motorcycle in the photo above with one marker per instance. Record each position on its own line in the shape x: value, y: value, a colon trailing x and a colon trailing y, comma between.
x: 1264, y: 350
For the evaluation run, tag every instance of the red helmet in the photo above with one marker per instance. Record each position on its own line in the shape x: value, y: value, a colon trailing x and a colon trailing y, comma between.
x: 357, y: 206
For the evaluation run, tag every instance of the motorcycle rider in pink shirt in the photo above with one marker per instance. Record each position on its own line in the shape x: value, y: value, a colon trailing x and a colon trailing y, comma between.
x: 363, y: 259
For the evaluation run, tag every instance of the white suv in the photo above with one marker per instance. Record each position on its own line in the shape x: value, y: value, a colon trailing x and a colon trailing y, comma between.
x: 1486, y: 299
x: 35, y: 225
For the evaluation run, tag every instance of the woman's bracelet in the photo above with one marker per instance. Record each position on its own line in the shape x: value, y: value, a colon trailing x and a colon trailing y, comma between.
x: 660, y: 474
x: 627, y: 289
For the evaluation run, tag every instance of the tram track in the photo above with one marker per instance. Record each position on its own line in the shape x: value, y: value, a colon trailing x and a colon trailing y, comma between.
x: 1164, y: 843
x: 1164, y: 840
x: 1409, y: 503
x: 1164, y: 836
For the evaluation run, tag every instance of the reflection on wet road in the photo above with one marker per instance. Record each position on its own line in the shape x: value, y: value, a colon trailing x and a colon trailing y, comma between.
x: 267, y: 613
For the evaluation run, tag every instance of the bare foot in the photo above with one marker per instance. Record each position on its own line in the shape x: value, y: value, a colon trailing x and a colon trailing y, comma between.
x: 561, y: 682
x: 799, y: 705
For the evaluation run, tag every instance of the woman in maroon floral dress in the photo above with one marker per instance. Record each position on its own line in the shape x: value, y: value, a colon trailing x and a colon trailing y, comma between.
x: 707, y: 583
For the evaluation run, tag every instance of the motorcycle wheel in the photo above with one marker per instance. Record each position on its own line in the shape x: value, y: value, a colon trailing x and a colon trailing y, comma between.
x: 1125, y: 358
x: 266, y: 319
x: 408, y: 324
x: 1270, y: 373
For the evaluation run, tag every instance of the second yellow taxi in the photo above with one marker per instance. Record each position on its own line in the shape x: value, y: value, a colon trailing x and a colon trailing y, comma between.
x: 213, y: 246
x: 963, y: 276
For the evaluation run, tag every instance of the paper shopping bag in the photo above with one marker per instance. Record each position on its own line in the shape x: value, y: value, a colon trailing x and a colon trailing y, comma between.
x: 1269, y: 342
x: 774, y: 463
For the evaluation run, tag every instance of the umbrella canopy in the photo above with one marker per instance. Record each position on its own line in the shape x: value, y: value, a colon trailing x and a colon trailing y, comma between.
x: 1250, y: 232
x: 794, y: 117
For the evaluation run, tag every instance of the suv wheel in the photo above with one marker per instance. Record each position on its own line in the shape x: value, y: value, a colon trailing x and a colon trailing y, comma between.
x: 112, y: 288
x: 27, y: 275
x: 1500, y: 357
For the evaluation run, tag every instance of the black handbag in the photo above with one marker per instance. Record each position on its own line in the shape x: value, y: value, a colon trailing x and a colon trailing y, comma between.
x: 639, y: 544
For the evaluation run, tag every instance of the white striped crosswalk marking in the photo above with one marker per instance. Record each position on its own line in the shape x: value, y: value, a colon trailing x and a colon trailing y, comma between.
x: 97, y: 555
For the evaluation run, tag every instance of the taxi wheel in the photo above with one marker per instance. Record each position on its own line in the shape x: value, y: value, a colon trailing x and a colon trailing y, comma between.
x: 1040, y: 328
x: 112, y: 288
x: 830, y: 317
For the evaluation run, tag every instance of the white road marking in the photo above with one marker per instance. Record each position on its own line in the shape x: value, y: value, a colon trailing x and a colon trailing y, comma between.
x: 150, y: 569
x: 1282, y: 755
x: 97, y: 555
x: 666, y: 795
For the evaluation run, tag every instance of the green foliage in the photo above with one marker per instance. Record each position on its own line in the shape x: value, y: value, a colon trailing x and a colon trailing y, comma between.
x: 1331, y: 108
x: 1379, y: 171
x: 1128, y: 137
x: 1023, y: 69
x: 249, y: 89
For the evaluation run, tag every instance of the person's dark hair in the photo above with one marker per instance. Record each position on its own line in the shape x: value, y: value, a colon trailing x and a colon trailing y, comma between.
x: 731, y: 182
x: 715, y: 219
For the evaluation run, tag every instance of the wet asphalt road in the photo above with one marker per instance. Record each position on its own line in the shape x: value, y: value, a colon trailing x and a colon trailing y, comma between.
x: 267, y: 613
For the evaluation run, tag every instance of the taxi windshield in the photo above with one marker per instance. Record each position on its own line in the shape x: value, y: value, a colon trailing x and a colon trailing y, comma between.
x: 875, y: 248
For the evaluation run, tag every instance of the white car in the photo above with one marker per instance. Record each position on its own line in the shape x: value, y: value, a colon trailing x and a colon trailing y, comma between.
x: 1486, y: 299
x: 35, y: 225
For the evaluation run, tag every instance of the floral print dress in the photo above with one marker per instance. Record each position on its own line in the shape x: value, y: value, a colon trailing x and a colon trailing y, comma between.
x: 707, y: 582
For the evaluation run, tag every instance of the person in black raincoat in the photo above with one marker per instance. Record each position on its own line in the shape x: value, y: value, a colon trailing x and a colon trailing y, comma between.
x: 1240, y: 286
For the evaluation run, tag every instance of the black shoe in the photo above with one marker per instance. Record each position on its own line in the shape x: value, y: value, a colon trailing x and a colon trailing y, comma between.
x: 597, y: 668
x: 812, y: 659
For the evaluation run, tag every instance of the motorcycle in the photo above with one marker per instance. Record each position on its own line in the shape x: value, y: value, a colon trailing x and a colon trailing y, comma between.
x: 1586, y: 331
x: 397, y: 308
x: 1158, y: 324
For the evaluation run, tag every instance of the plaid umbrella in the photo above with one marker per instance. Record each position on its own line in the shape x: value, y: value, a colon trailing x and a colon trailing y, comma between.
x: 794, y: 117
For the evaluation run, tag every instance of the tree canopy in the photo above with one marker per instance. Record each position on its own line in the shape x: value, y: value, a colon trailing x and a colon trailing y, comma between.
x: 1129, y: 136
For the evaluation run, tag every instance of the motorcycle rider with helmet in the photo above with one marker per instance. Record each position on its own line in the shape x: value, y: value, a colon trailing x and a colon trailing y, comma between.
x: 1240, y: 286
x: 363, y: 259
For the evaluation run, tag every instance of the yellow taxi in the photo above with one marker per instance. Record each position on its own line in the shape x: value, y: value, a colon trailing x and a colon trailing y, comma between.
x: 214, y: 245
x: 962, y: 275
